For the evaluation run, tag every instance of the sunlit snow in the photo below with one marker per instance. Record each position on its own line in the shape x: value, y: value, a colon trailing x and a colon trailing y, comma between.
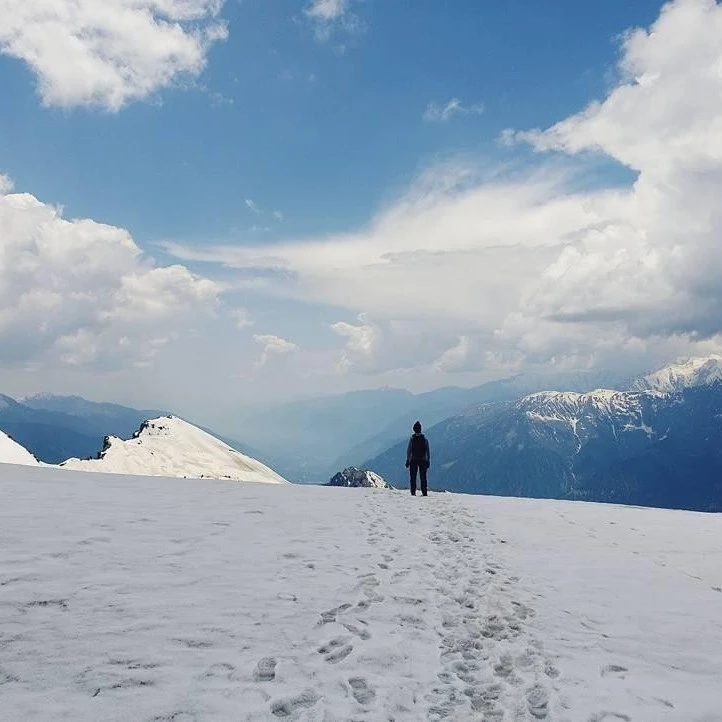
x: 12, y: 453
x: 135, y: 598
x: 169, y: 446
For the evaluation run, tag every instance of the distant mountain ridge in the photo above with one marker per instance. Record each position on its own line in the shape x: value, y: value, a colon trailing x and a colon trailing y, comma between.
x: 647, y: 447
x: 54, y: 428
x: 307, y: 441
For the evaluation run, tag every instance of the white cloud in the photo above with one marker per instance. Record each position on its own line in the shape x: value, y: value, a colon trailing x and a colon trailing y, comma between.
x: 439, y: 113
x: 6, y: 184
x: 251, y: 204
x: 273, y: 346
x: 107, y: 54
x: 361, y: 344
x: 328, y: 16
x: 455, y: 357
x: 326, y: 10
x: 242, y: 318
x: 529, y: 268
x: 278, y: 216
x: 80, y: 292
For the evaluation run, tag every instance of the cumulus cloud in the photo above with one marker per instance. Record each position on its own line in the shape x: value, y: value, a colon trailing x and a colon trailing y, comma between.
x: 273, y: 346
x: 545, y: 267
x: 82, y: 293
x: 440, y: 113
x: 107, y: 54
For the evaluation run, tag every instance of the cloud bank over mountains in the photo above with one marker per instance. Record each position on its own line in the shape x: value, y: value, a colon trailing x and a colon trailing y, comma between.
x: 534, y: 267
x: 472, y: 267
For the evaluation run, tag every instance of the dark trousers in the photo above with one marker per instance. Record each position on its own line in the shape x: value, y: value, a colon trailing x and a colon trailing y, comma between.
x: 418, y: 467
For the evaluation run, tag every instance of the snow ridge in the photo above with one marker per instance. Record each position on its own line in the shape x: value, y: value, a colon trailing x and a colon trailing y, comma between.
x: 170, y: 446
x: 618, y: 409
x: 12, y: 453
x: 702, y: 371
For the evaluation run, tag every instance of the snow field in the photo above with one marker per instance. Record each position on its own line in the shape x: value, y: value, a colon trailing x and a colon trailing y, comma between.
x: 171, y: 599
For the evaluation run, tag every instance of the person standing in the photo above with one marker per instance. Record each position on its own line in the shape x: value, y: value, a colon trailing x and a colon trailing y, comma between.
x: 418, y: 459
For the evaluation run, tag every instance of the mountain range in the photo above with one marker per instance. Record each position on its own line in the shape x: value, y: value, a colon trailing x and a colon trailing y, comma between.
x: 308, y: 440
x: 655, y: 440
x: 657, y: 444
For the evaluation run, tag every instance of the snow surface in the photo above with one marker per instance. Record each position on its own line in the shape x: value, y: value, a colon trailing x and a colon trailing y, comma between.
x: 701, y: 371
x: 12, y: 453
x: 170, y: 446
x: 130, y: 598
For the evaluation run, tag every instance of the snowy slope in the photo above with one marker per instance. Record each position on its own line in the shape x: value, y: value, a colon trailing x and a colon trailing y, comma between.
x: 258, y: 602
x: 169, y: 446
x: 701, y: 371
x: 12, y: 453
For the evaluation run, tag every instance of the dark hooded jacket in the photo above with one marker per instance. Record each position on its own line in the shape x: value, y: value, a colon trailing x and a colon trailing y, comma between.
x: 418, y: 449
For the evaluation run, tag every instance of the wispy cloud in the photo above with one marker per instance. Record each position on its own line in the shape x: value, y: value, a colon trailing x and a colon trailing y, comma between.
x: 273, y: 346
x: 242, y: 318
x: 252, y: 205
x: 328, y: 16
x: 440, y: 113
x: 278, y: 216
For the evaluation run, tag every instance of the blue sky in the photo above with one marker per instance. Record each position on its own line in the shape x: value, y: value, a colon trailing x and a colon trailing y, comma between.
x: 325, y: 136
x: 268, y: 148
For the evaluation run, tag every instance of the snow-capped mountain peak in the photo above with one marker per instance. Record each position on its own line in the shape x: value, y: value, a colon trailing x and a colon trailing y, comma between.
x: 12, y: 453
x: 170, y: 446
x: 701, y: 371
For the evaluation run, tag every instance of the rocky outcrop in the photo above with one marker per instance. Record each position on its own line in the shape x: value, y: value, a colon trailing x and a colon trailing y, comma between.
x: 354, y: 477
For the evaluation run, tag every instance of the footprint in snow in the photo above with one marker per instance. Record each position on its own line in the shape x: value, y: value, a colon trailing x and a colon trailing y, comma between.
x: 358, y: 631
x: 537, y: 701
x: 265, y: 670
x: 330, y: 615
x: 614, y: 669
x: 221, y: 669
x: 290, y: 706
x: 336, y: 650
x: 362, y: 692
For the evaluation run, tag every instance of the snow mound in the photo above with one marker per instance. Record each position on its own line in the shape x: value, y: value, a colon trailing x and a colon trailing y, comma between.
x: 12, y: 453
x: 702, y: 371
x: 358, y: 478
x: 169, y: 446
